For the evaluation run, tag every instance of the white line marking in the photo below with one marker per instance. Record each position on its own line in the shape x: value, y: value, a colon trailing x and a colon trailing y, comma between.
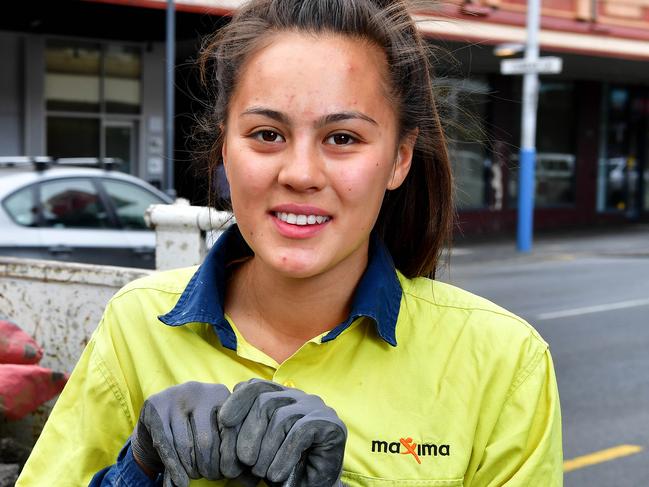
x: 593, y: 309
x: 457, y: 251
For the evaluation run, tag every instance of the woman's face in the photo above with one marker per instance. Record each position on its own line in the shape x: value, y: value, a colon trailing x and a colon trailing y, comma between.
x: 310, y: 148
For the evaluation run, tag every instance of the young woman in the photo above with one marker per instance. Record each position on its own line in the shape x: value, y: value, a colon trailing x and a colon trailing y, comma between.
x: 349, y: 362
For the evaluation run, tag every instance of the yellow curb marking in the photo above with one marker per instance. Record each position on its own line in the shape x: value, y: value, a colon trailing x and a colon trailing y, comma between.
x: 601, y: 456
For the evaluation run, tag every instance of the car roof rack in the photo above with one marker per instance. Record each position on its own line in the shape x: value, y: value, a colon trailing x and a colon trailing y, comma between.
x: 38, y: 162
x: 107, y: 163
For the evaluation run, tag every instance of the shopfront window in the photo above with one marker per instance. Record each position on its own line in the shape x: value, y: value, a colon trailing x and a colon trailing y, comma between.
x: 464, y: 114
x: 555, y: 147
x: 123, y: 71
x: 72, y: 79
x: 623, y: 176
x: 72, y: 137
x: 93, y: 100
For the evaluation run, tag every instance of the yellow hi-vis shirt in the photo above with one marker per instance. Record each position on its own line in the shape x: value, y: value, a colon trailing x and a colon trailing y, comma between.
x: 455, y: 392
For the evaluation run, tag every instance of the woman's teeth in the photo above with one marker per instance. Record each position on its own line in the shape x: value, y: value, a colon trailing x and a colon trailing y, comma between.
x: 294, y: 219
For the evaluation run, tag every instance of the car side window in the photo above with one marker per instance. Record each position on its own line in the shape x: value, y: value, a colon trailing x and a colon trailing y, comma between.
x: 130, y: 202
x: 72, y: 203
x: 20, y: 207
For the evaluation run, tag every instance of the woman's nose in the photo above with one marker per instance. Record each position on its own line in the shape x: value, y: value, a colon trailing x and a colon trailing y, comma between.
x: 302, y: 168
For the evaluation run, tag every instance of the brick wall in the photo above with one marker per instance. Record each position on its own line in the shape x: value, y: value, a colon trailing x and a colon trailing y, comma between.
x: 624, y: 13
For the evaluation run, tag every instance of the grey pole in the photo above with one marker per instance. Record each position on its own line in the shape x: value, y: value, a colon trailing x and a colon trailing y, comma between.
x: 528, y: 131
x: 169, y: 102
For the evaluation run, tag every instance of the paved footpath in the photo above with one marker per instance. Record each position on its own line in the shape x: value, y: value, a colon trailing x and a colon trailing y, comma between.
x: 628, y: 240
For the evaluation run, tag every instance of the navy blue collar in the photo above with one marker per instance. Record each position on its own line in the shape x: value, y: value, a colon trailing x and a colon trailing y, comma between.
x: 378, y: 295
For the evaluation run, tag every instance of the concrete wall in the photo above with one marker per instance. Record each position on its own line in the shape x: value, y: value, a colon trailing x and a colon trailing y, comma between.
x: 34, y: 97
x: 11, y: 94
x: 151, y: 150
x: 58, y: 303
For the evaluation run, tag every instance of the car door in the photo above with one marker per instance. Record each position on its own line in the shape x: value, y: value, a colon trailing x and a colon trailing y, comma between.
x: 129, y: 202
x: 77, y: 226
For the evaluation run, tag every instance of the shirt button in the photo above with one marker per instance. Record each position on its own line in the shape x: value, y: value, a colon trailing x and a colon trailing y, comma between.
x: 289, y: 383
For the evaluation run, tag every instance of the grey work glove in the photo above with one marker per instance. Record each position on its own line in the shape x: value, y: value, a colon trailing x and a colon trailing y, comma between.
x: 285, y: 435
x: 177, y: 432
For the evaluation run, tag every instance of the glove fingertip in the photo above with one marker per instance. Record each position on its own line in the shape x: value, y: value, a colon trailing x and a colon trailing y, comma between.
x: 280, y: 471
x: 246, y: 453
x: 229, y: 416
x: 231, y: 471
x: 170, y: 481
x: 237, y: 406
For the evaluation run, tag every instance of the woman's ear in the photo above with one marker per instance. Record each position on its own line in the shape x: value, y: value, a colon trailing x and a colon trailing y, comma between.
x: 402, y: 165
x: 224, y: 145
x: 224, y: 151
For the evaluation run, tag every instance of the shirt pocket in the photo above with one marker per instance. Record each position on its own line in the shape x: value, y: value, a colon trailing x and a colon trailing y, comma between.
x: 351, y: 479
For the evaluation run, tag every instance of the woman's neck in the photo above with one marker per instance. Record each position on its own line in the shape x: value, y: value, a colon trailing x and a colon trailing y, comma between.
x: 278, y: 314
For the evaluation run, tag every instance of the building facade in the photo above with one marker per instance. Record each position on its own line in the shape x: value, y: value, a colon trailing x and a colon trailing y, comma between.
x: 87, y: 79
x: 97, y: 89
x: 593, y: 118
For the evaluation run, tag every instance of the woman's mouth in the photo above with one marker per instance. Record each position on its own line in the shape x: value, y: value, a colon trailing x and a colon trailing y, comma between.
x: 300, y: 219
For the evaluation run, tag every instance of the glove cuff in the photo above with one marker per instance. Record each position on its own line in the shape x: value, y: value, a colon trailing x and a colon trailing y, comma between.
x: 144, y: 452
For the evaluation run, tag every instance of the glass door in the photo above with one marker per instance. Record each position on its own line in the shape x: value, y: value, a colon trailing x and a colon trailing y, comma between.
x: 120, y: 142
x: 643, y: 148
x: 623, y: 169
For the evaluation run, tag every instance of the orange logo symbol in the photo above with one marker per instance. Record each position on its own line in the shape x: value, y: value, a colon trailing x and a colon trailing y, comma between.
x: 410, y: 447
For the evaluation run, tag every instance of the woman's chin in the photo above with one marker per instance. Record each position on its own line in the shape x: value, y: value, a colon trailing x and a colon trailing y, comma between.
x: 297, y: 271
x: 297, y: 268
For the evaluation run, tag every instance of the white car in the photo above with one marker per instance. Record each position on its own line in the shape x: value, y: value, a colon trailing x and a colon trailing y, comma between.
x: 49, y: 210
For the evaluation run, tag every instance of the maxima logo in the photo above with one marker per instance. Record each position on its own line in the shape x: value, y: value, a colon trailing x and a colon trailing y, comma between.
x: 405, y: 446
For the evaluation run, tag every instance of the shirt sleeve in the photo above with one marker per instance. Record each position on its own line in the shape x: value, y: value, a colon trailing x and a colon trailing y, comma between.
x: 90, y: 422
x: 525, y: 447
x: 125, y: 473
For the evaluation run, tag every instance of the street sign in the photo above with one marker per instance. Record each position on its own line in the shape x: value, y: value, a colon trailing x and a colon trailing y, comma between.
x: 542, y: 65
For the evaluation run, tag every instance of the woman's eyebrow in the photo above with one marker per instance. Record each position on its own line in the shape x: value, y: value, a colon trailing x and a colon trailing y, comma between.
x: 267, y: 112
x: 341, y: 116
x: 321, y: 122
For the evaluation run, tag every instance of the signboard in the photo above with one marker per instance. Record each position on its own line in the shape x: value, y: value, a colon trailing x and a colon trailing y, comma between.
x: 543, y: 65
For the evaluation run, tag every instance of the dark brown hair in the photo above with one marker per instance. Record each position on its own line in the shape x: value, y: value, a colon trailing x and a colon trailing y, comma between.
x: 415, y: 220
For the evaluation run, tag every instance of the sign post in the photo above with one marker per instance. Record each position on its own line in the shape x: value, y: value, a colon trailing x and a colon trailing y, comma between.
x: 169, y: 105
x: 530, y: 67
x: 545, y: 65
x: 527, y: 159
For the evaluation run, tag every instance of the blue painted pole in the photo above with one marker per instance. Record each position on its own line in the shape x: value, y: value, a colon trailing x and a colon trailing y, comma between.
x: 526, y: 199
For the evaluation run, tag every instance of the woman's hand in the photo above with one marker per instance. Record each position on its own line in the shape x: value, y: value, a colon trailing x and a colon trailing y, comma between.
x: 177, y: 432
x: 284, y: 435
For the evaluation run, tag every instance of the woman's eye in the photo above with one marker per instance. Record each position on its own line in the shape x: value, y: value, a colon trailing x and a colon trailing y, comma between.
x: 340, y: 139
x: 268, y: 136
